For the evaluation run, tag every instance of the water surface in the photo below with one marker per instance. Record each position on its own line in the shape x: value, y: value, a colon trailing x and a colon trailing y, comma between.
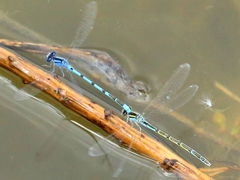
x: 150, y: 39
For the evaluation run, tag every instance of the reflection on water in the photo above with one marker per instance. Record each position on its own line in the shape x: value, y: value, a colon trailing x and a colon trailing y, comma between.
x: 95, y: 62
x: 150, y: 39
x: 47, y: 143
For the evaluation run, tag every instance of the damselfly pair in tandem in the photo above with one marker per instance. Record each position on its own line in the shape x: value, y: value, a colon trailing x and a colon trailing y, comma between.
x: 166, y: 97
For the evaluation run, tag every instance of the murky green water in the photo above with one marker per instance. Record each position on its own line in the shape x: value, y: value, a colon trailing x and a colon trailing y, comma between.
x: 150, y: 39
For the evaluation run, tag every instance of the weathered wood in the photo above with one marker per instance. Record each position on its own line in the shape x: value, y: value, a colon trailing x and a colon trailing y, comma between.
x: 98, y: 115
x: 87, y: 55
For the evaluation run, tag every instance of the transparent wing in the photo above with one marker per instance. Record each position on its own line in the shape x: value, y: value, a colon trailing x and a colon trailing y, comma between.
x: 169, y: 90
x: 102, y: 147
x: 120, y: 167
x: 27, y: 92
x: 84, y: 28
x: 183, y: 97
x: 169, y: 98
x: 86, y: 24
x: 175, y: 82
x: 105, y: 147
x: 119, y: 158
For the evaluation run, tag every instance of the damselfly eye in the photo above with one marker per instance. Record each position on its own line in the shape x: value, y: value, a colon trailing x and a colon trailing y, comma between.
x: 124, y: 112
x: 51, y: 56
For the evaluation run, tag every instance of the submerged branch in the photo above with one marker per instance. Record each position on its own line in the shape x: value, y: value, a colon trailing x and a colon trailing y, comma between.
x: 99, y: 116
x: 98, y: 63
x: 86, y: 55
x: 227, y: 91
x: 220, y: 170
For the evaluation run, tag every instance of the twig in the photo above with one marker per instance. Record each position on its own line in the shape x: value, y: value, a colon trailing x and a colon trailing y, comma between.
x: 96, y: 114
x: 217, y: 139
x: 220, y: 170
x: 39, y: 48
x: 227, y: 91
x: 85, y: 54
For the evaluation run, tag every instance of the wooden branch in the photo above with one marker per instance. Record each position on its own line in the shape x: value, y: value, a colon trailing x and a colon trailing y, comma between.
x: 83, y: 54
x: 99, y: 116
x: 87, y: 56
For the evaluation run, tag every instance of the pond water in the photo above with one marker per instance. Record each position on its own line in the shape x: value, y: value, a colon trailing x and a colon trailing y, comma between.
x: 149, y: 39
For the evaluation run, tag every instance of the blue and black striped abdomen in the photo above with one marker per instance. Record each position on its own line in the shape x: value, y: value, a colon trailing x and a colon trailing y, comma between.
x: 96, y: 86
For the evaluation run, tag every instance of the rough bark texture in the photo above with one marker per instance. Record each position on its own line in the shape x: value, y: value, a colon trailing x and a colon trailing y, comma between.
x: 100, y: 116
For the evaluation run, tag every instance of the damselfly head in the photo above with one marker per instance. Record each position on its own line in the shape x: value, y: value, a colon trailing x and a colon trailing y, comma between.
x: 51, y: 56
